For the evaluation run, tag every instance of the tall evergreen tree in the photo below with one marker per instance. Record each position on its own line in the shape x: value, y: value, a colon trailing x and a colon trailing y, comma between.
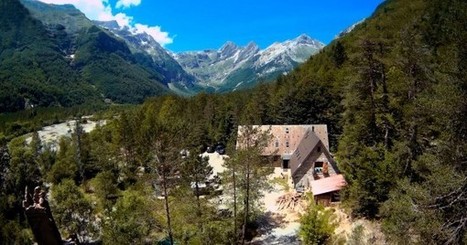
x: 248, y: 170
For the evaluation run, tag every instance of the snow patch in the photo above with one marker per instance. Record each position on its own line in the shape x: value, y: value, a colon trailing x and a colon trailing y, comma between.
x: 271, y: 52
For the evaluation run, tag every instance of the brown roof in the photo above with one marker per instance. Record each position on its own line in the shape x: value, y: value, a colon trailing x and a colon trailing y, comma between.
x: 286, y: 138
x: 326, y: 185
x: 306, y: 146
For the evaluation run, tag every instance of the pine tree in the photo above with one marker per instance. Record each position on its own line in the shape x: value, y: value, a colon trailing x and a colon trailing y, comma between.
x: 73, y: 213
x: 246, y: 174
x: 196, y: 171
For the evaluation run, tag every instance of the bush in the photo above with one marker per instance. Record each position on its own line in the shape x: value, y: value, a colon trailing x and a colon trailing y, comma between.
x: 317, y: 225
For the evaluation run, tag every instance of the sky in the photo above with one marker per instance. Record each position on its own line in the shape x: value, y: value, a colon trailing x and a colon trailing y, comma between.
x: 185, y: 25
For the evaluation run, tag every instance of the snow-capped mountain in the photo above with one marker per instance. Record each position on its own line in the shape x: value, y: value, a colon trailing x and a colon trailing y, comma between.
x: 212, y: 67
x: 229, y: 68
x: 349, y: 29
x: 299, y: 50
x: 89, y: 45
x: 150, y: 52
x: 233, y: 67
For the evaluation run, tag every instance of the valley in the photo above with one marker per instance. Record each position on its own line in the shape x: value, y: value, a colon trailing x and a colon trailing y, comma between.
x: 101, y: 62
x: 357, y: 140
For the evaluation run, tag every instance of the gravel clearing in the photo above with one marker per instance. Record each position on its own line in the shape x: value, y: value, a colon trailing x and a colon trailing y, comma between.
x: 52, y: 134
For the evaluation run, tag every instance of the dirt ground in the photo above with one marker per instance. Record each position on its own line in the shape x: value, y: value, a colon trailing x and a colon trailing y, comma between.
x: 52, y: 134
x: 281, y: 226
x: 277, y: 226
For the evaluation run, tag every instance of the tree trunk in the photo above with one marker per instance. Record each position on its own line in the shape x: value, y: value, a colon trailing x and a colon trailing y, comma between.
x: 167, y: 210
x: 198, y: 213
x: 234, y: 183
x: 246, y: 201
x: 78, y: 132
x: 385, y: 105
x: 198, y: 203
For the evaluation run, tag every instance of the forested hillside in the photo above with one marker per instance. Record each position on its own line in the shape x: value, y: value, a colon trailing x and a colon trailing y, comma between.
x: 404, y: 135
x: 400, y: 79
x: 392, y: 93
x: 32, y: 69
x: 50, y: 63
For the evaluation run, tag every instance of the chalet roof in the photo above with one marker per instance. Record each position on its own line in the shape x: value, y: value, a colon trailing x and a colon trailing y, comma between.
x: 326, y: 185
x: 308, y: 143
x: 286, y: 138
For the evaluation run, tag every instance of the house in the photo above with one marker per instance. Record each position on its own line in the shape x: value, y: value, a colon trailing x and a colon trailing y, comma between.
x: 302, y: 154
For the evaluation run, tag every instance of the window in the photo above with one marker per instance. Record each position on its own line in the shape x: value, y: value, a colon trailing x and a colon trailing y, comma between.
x: 286, y: 144
x: 318, y: 167
x: 277, y: 143
x: 286, y: 130
x: 313, y: 128
x: 318, y: 149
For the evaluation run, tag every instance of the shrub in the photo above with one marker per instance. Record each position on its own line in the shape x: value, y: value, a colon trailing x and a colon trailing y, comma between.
x: 317, y: 225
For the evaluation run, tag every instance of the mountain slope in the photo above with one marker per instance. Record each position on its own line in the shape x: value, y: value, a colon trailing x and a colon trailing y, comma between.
x: 100, y: 57
x: 109, y: 64
x: 397, y: 82
x: 33, y: 70
x: 125, y: 66
x: 65, y: 15
x: 233, y: 67
x: 62, y: 59
x: 150, y: 53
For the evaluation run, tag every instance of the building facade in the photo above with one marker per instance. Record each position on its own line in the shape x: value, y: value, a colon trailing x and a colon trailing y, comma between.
x: 302, y: 152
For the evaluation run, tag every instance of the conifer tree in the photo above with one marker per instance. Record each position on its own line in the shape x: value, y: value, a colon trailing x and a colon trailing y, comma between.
x: 246, y: 175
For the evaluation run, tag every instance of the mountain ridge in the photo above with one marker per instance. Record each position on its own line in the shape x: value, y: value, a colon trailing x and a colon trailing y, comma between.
x: 157, y: 58
x: 107, y: 63
x: 228, y: 68
x: 52, y: 55
x: 232, y: 67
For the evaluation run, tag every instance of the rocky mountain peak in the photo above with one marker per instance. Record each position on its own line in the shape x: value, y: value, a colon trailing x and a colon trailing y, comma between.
x: 228, y: 49
x: 247, y: 52
x: 233, y: 67
x: 251, y: 47
x: 112, y: 24
x: 303, y: 38
x: 307, y: 40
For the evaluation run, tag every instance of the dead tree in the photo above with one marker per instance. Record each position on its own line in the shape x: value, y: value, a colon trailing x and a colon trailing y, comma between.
x: 40, y: 218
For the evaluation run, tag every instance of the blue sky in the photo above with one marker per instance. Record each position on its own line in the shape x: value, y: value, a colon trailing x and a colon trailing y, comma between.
x: 181, y: 25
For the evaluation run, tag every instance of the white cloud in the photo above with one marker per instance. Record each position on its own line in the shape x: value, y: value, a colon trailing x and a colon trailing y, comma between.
x: 127, y: 3
x: 155, y: 31
x: 123, y: 19
x: 93, y: 9
x: 101, y: 10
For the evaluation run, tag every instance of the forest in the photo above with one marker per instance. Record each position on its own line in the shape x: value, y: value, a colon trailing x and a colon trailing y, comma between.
x: 38, y: 67
x: 392, y: 93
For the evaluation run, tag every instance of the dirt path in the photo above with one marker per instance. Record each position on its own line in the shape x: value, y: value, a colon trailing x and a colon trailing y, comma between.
x: 277, y: 226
